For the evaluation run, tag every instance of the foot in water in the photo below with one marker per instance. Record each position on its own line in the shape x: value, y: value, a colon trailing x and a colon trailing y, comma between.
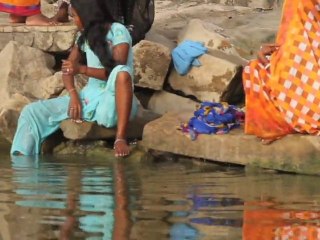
x: 39, y: 20
x: 121, y: 148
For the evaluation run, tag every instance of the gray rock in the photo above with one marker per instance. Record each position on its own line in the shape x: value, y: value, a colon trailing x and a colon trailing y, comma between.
x: 207, y: 82
x: 294, y: 153
x: 9, y: 115
x: 22, y: 68
x: 163, y: 102
x: 218, y: 67
x: 151, y: 64
x: 92, y: 131
x: 49, y: 87
x: 97, y: 150
x: 154, y: 36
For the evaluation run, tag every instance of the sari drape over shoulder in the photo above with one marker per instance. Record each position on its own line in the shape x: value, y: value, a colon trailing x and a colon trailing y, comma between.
x: 284, y: 97
x: 20, y: 7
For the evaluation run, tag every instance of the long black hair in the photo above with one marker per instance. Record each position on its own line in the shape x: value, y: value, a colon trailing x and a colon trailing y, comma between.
x: 96, y: 20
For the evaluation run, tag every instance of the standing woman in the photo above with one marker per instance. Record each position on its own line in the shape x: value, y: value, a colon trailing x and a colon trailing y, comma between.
x: 108, y: 97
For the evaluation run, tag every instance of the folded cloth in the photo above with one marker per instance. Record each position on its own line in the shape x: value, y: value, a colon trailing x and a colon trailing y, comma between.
x: 213, y: 118
x: 185, y: 55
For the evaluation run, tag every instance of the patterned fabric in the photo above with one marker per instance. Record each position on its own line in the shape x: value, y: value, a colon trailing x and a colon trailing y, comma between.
x: 285, y: 98
x: 20, y: 7
x: 213, y: 118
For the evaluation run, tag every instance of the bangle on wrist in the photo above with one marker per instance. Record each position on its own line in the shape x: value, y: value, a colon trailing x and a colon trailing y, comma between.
x: 71, y: 90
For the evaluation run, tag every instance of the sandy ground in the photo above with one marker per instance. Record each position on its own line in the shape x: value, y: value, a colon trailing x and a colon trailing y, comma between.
x: 246, y: 27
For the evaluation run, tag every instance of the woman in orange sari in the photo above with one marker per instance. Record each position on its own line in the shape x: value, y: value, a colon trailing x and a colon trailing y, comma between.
x: 282, y: 86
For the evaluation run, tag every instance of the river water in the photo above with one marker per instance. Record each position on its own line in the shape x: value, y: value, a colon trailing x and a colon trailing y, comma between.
x: 76, y: 198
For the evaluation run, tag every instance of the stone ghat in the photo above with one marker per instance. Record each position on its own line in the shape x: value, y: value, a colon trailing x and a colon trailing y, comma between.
x: 58, y: 38
x: 294, y: 153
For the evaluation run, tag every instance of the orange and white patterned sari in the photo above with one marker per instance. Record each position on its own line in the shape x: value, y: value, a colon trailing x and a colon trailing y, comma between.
x: 285, y: 97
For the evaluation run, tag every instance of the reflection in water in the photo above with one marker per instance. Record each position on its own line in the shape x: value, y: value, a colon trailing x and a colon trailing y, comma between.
x: 264, y: 221
x: 92, y: 198
x: 77, y: 198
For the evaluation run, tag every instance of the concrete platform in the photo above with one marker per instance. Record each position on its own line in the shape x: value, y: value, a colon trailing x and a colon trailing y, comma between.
x: 295, y: 153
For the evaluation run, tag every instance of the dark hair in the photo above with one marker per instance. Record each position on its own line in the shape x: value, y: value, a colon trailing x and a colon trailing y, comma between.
x: 96, y: 20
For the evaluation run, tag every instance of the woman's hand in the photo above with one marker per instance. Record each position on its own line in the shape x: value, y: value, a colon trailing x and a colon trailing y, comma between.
x: 70, y: 67
x: 75, y: 107
x: 265, y: 51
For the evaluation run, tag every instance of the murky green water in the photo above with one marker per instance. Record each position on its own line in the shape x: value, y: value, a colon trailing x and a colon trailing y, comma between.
x: 75, y: 198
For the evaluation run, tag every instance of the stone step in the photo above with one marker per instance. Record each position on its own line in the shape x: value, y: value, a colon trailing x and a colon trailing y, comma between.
x: 294, y: 153
x: 57, y: 38
x: 92, y: 131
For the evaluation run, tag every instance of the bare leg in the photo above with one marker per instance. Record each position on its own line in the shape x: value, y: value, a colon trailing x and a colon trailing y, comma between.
x: 17, y: 19
x: 124, y: 102
x: 62, y: 15
x: 39, y: 20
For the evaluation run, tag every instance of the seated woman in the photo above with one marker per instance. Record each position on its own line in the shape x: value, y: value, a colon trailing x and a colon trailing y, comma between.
x: 108, y: 97
x: 28, y: 11
x: 282, y: 86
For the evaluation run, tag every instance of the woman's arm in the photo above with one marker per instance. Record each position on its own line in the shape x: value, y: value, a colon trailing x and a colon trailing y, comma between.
x: 68, y: 69
x: 72, y: 67
x: 265, y: 51
x: 120, y: 56
x: 120, y: 53
x: 75, y: 108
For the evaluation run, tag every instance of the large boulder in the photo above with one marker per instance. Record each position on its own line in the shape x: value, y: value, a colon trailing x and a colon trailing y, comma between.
x: 219, y: 67
x: 22, y: 68
x: 48, y: 87
x: 207, y: 82
x: 151, y: 64
x: 9, y: 114
x: 163, y: 102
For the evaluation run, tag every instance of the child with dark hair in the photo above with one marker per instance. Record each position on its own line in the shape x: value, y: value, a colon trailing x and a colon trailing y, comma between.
x: 107, y: 99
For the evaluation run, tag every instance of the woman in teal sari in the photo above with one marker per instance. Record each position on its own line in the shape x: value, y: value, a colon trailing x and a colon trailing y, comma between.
x: 108, y: 97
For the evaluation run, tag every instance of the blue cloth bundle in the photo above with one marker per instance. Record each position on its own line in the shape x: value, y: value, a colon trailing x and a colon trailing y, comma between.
x: 185, y: 55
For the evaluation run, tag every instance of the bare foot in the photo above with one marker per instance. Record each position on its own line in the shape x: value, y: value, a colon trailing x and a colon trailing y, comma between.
x: 17, y: 19
x: 39, y: 20
x: 121, y: 148
x: 268, y: 141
